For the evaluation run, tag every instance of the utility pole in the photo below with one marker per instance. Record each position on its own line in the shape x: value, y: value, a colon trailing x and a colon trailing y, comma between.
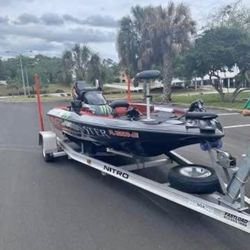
x: 21, y: 64
x: 19, y: 53
x: 27, y: 80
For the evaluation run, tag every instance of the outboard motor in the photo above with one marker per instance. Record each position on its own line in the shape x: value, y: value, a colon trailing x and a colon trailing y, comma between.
x: 197, y: 106
x: 197, y: 117
x: 76, y: 106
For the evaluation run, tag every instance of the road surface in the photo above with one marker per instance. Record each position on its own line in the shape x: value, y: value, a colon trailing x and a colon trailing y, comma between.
x: 64, y: 205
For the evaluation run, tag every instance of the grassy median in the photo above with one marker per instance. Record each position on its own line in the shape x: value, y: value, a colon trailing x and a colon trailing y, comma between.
x: 180, y: 97
x: 214, y: 100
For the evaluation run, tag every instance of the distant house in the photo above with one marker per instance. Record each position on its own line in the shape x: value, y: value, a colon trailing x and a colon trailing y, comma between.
x: 122, y: 77
x: 3, y: 82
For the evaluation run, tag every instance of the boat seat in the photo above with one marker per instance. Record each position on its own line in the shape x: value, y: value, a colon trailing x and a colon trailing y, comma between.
x: 80, y: 88
x: 200, y: 116
x: 148, y: 75
x: 119, y: 104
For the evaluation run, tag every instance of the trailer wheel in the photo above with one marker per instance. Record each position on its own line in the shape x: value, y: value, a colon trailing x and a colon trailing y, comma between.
x: 195, y: 179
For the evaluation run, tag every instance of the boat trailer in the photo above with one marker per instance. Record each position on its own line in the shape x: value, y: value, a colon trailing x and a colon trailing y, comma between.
x: 229, y: 206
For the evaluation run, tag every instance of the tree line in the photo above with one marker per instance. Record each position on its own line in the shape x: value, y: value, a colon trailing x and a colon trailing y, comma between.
x: 155, y: 37
x: 80, y: 63
x: 167, y: 38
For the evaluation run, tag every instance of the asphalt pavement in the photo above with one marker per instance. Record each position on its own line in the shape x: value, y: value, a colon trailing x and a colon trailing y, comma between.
x: 64, y: 205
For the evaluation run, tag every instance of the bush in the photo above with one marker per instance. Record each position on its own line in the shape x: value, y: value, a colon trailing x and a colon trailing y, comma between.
x: 59, y: 91
x: 43, y: 91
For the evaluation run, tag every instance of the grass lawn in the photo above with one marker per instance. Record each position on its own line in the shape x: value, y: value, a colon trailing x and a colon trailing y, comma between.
x: 209, y: 99
x: 33, y: 99
x: 111, y: 94
x: 56, y: 87
x: 213, y: 100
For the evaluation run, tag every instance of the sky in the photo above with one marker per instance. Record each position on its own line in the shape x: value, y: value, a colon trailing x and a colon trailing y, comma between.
x: 51, y: 27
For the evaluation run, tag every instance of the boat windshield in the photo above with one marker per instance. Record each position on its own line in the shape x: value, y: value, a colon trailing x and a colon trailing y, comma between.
x: 94, y: 98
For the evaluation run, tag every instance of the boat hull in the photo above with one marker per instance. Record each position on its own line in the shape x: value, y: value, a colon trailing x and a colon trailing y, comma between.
x: 134, y: 137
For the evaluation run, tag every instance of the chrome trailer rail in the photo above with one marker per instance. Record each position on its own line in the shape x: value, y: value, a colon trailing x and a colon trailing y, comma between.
x: 199, y: 204
x: 211, y: 205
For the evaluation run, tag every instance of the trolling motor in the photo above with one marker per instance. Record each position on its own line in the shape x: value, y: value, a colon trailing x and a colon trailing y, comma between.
x: 197, y: 106
x: 147, y: 76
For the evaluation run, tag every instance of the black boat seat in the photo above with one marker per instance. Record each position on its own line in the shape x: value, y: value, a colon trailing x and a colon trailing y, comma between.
x: 148, y: 75
x: 80, y: 88
x: 200, y: 116
x: 119, y: 104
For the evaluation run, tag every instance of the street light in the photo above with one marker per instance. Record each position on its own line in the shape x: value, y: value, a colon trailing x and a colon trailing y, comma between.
x: 21, y: 65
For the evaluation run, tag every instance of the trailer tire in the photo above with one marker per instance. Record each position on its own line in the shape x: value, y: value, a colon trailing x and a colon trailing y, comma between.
x: 195, y: 179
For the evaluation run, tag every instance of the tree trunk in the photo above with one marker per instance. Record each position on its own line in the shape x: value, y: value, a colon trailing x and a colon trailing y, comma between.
x: 236, y: 93
x: 167, y: 79
x: 217, y: 86
x: 244, y: 75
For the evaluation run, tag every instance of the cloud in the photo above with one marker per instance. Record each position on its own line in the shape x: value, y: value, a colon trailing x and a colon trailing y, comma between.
x: 96, y: 20
x: 30, y: 46
x: 4, y: 20
x: 76, y: 35
x: 52, y: 19
x: 58, y: 20
x: 26, y: 19
x: 101, y: 21
x: 69, y: 18
x: 9, y: 2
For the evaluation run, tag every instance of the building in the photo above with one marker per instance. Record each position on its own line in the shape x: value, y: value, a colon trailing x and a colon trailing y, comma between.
x: 3, y: 82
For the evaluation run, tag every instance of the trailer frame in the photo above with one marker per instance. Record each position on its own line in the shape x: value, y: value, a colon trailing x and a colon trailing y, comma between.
x: 221, y: 207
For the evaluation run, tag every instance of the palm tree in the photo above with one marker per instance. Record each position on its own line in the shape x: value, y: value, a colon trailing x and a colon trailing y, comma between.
x: 127, y: 45
x: 94, y: 69
x: 85, y: 56
x: 67, y: 65
x: 170, y: 31
x: 158, y: 34
x: 81, y: 56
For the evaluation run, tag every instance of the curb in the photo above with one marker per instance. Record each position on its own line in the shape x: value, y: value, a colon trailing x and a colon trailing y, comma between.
x: 186, y: 105
x: 211, y: 107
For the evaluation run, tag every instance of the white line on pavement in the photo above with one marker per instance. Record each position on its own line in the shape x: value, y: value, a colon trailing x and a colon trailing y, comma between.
x: 165, y: 109
x: 237, y: 126
x: 225, y: 114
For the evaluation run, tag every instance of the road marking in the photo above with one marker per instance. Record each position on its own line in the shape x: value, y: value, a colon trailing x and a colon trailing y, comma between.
x: 164, y: 109
x: 237, y: 126
x: 225, y: 114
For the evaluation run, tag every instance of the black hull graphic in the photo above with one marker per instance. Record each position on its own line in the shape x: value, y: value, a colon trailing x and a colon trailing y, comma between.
x: 145, y: 141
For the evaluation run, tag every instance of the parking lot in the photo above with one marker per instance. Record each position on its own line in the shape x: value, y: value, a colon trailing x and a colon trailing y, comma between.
x: 64, y: 205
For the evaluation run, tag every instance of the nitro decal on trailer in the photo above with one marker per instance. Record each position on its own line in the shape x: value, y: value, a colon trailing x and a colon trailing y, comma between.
x: 121, y: 133
x: 236, y: 219
x: 201, y: 206
x: 116, y: 172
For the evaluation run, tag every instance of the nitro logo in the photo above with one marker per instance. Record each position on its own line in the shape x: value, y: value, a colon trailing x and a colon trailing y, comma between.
x: 116, y: 172
x: 236, y: 219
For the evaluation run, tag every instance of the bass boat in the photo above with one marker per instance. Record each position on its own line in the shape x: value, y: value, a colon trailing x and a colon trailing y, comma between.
x: 133, y: 128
